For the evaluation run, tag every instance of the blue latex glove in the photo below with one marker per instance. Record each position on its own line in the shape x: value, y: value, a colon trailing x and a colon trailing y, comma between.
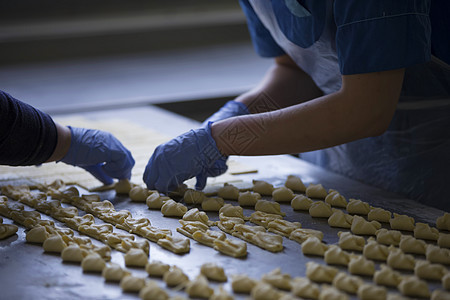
x: 188, y: 155
x: 99, y: 153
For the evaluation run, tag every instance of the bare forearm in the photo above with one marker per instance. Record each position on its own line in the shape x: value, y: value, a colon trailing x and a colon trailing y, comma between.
x: 63, y: 143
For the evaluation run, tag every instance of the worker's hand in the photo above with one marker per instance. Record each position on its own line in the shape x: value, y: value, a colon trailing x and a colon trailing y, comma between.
x: 100, y: 153
x: 193, y: 153
x: 230, y: 109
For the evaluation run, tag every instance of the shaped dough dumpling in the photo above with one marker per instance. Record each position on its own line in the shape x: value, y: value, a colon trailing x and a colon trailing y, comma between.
x: 426, y: 270
x: 7, y: 230
x: 359, y: 265
x: 379, y: 214
x: 248, y: 198
x: 213, y: 272
x: 207, y: 238
x: 438, y: 255
x: 156, y: 268
x: 446, y: 281
x: 414, y: 287
x: 54, y: 243
x: 303, y: 287
x: 335, y: 199
x: 73, y: 253
x: 241, y: 283
x: 399, y: 260
x: 132, y: 283
x: 114, y: 272
x: 152, y: 291
x: 263, y: 219
x: 320, y: 273
x: 155, y: 201
x: 278, y: 279
x: 229, y: 210
x: 332, y: 293
x: 93, y: 262
x: 262, y: 187
x: 402, y: 222
x: 336, y: 256
x: 175, y: 244
x: 295, y: 183
x: 301, y: 202
x: 283, y: 227
x: 388, y: 237
x: 443, y: 222
x: 221, y: 294
x: 347, y: 283
x: 175, y: 277
x: 387, y: 276
x: 269, y: 207
x: 320, y: 209
x: 232, y: 248
x: 199, y: 288
x: 193, y: 197
x: 425, y: 232
x: 369, y: 291
x: 138, y: 193
x: 444, y: 240
x: 173, y: 209
x: 363, y: 227
x: 301, y: 234
x: 340, y: 219
x: 37, y: 234
x: 375, y: 251
x: 123, y: 186
x: 440, y: 295
x: 358, y: 207
x: 263, y: 291
x: 409, y: 244
x: 282, y: 194
x: 228, y: 191
x: 348, y: 241
x: 316, y: 191
x: 135, y: 258
x: 195, y: 215
x: 212, y: 204
x: 313, y: 246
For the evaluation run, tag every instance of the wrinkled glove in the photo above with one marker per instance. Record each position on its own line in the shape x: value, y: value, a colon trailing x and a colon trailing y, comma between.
x: 190, y: 154
x: 99, y: 153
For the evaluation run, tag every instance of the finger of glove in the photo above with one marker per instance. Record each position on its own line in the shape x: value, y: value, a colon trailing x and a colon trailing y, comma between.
x: 201, y: 182
x: 218, y: 168
x: 156, y: 169
x: 98, y: 172
x: 118, y: 161
x: 230, y: 109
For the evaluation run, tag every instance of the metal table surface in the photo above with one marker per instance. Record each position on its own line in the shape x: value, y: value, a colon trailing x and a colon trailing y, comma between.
x: 29, y: 273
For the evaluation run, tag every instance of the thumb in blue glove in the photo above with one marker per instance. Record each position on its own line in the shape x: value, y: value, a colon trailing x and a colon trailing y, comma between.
x: 99, y: 153
x: 184, y: 157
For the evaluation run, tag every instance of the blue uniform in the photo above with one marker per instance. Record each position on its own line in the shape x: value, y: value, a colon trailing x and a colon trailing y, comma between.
x: 331, y: 38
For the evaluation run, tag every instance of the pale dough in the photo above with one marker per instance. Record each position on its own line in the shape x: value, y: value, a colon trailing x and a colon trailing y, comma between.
x: 155, y: 201
x: 331, y: 293
x: 199, y: 288
x: 132, y: 224
x: 54, y: 243
x: 212, y: 204
x: 359, y: 265
x: 301, y: 202
x: 228, y: 191
x: 320, y: 273
x: 241, y: 283
x: 426, y: 270
x: 379, y: 214
x: 229, y: 210
x: 375, y: 251
x: 264, y: 291
x: 153, y: 233
x: 347, y: 283
x: 440, y: 295
x: 75, y: 222
x: 101, y: 207
x: 123, y: 186
x: 221, y: 294
x: 115, y: 217
x: 135, y: 258
x: 231, y: 247
x: 214, y: 272
x: 114, y: 272
x: 263, y: 219
x: 363, y: 227
x: 320, y: 209
x: 96, y: 231
x: 316, y: 191
x: 132, y: 283
x: 173, y: 209
x: 262, y: 187
x: 189, y: 227
x: 303, y: 287
x: 388, y: 237
x: 348, y: 241
x: 152, y: 291
x: 369, y: 291
x: 258, y: 236
x: 156, y: 268
x: 295, y: 183
x: 336, y: 256
x: 300, y: 235
x: 397, y: 259
x: 248, y: 198
x: 443, y: 222
x: 195, y: 215
x: 7, y: 230
x: 227, y: 224
x: 138, y: 194
x: 283, y: 227
x: 175, y: 244
x: 93, y: 262
x: 358, y: 207
x: 414, y: 287
x: 207, y: 238
x: 37, y: 234
x: 425, y: 232
x: 444, y: 240
x: 282, y: 194
x: 387, y: 276
x: 313, y: 246
x: 446, y: 281
x: 175, y: 277
x: 402, y: 222
x: 73, y: 253
x: 335, y: 199
x: 193, y: 197
x: 340, y: 219
x: 269, y: 207
x: 278, y: 279
x: 438, y: 255
x: 409, y: 244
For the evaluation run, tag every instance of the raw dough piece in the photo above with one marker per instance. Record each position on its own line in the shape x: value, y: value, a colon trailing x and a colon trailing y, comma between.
x: 173, y: 209
x: 348, y: 241
x: 379, y: 214
x: 283, y: 227
x: 264, y: 291
x: 213, y: 272
x: 128, y: 243
x: 248, y: 198
x: 75, y: 222
x: 320, y: 273
x: 438, y: 255
x: 399, y: 260
x: 316, y: 191
x: 409, y: 244
x: 155, y: 201
x: 425, y: 232
x: 269, y: 207
x: 444, y: 240
x: 193, y: 197
x: 258, y: 236
x: 195, y: 215
x: 375, y: 251
x: 335, y: 199
x: 320, y: 209
x: 347, y: 283
x: 37, y: 234
x: 73, y: 253
x: 175, y: 244
x: 446, y: 281
x: 331, y: 293
x: 363, y: 227
x: 189, y: 227
x: 97, y: 231
x: 301, y: 202
x: 207, y: 238
x: 426, y: 270
x: 277, y: 279
x: 212, y: 204
x: 138, y: 194
x: 133, y: 225
x: 358, y: 207
x: 152, y: 291
x: 153, y: 233
x: 93, y: 262
x: 263, y: 219
x: 313, y: 246
x: 132, y: 283
x: 402, y: 222
x: 228, y: 191
x: 282, y: 194
x: 229, y: 210
x: 414, y: 287
x: 387, y: 276
x: 64, y: 212
x: 227, y: 224
x: 303, y: 287
x: 262, y: 187
x: 388, y: 237
x: 156, y: 268
x: 114, y: 272
x: 231, y: 247
x: 300, y: 235
x: 295, y: 183
x: 54, y: 243
x: 369, y: 291
x: 199, y: 288
x: 241, y: 283
x: 175, y: 277
x: 440, y: 295
x: 123, y: 186
x: 359, y: 265
x: 221, y: 294
x: 7, y: 230
x: 336, y: 256
x: 340, y: 219
x: 135, y: 258
x: 115, y: 217
x: 392, y: 296
x: 101, y: 207
x: 443, y: 222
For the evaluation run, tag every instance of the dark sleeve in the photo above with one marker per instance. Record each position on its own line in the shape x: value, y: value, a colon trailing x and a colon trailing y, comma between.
x: 27, y: 135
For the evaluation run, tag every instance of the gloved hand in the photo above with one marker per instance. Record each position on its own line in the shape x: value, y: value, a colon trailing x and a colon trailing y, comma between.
x: 190, y: 154
x: 99, y: 153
